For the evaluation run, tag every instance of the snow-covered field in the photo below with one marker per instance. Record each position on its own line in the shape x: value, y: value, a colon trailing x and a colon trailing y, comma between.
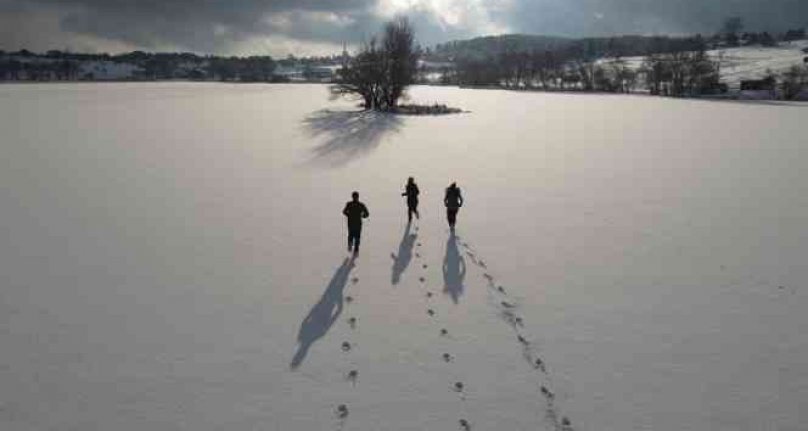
x: 173, y: 258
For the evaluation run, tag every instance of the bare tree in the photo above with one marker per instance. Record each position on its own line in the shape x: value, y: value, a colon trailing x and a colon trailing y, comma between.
x: 381, y: 72
x: 794, y: 80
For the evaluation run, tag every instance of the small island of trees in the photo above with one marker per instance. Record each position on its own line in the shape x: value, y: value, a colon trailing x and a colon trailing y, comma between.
x: 383, y: 69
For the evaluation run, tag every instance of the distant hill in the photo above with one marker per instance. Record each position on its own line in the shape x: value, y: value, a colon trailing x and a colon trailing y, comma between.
x: 483, y: 47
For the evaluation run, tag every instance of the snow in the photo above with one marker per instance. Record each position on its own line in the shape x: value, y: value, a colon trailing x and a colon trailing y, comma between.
x: 757, y: 62
x: 165, y: 247
x: 749, y: 62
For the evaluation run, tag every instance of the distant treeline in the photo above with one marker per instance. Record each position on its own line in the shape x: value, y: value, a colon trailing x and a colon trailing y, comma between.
x: 675, y: 66
x: 59, y: 65
x: 664, y: 65
x: 482, y: 48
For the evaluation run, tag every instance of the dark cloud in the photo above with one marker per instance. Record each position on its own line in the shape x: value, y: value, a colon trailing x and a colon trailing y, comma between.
x: 224, y: 26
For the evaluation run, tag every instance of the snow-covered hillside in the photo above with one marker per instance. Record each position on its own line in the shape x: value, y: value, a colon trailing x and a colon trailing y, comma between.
x: 751, y: 62
x: 755, y: 62
x: 173, y: 258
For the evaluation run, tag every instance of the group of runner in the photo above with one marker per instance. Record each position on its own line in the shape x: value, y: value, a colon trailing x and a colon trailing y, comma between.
x: 355, y: 211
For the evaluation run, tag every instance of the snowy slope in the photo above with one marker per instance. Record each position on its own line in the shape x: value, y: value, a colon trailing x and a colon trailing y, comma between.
x: 755, y: 62
x: 173, y: 258
x: 751, y: 62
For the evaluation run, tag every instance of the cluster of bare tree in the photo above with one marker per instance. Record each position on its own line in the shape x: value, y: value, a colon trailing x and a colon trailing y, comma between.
x: 794, y: 81
x: 383, y: 69
x: 676, y: 67
x: 682, y: 73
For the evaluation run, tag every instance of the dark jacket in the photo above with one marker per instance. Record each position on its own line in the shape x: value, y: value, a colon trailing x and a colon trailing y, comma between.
x: 453, y: 198
x: 411, y: 192
x: 355, y: 211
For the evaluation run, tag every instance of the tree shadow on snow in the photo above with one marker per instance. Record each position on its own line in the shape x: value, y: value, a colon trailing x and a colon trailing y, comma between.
x: 404, y: 256
x: 323, y: 314
x: 348, y: 134
x: 454, y: 269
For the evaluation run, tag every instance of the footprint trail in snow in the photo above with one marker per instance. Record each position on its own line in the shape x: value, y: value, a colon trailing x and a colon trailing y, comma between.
x: 507, y: 309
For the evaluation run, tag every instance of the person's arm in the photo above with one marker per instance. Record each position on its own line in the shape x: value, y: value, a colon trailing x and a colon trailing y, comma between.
x: 417, y: 192
x: 459, y: 198
x: 345, y: 211
x: 365, y: 213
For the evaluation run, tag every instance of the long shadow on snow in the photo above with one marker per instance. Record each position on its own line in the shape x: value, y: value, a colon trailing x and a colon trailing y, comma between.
x: 454, y: 269
x: 348, y: 134
x: 404, y: 256
x: 323, y: 314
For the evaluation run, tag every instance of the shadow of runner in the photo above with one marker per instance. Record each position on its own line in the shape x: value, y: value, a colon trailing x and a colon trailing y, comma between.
x: 323, y: 314
x: 404, y: 256
x: 454, y: 269
x: 348, y: 134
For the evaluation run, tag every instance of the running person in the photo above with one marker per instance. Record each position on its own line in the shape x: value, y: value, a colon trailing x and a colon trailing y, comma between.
x: 355, y: 211
x: 453, y: 202
x: 411, y: 192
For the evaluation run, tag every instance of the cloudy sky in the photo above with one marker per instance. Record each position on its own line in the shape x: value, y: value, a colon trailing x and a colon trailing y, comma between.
x: 307, y: 27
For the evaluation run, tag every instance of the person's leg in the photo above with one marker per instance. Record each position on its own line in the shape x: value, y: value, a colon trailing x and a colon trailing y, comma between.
x: 415, y: 210
x: 452, y: 216
x: 409, y: 213
x: 357, y: 234
x: 350, y: 240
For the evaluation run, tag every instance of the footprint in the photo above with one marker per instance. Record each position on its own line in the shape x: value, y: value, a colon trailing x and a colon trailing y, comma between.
x: 444, y: 332
x: 506, y: 304
x: 431, y: 312
x: 481, y: 263
x: 417, y: 254
x: 352, y: 376
x: 547, y: 394
x: 488, y: 276
x: 465, y: 424
x: 355, y: 280
x: 522, y: 340
x: 447, y: 357
x: 458, y: 386
x: 342, y: 411
x: 352, y: 322
x: 425, y: 266
x: 349, y: 299
x: 429, y: 294
x: 565, y: 424
x: 539, y: 364
x: 346, y: 346
x: 421, y: 279
x: 419, y: 244
x: 508, y: 316
x: 501, y: 289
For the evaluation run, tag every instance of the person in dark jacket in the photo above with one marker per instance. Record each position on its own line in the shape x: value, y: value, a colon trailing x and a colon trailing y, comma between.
x: 453, y: 202
x: 355, y: 211
x: 411, y: 192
